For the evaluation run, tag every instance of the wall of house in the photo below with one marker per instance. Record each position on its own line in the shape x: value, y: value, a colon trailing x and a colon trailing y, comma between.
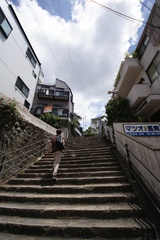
x: 144, y: 155
x: 14, y: 63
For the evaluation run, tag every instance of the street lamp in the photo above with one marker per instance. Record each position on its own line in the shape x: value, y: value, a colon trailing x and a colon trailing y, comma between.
x: 113, y: 92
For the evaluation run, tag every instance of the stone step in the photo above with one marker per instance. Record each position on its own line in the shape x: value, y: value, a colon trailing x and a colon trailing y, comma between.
x: 71, y: 189
x: 84, y: 161
x: 83, y: 198
x: 51, y: 211
x: 47, y: 174
x: 77, y: 169
x: 75, y: 174
x: 84, y: 228
x: 91, y: 199
x: 7, y: 236
x: 78, y: 181
x: 73, y: 165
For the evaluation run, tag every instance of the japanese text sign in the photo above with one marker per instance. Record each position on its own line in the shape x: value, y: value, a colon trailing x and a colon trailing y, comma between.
x: 142, y: 129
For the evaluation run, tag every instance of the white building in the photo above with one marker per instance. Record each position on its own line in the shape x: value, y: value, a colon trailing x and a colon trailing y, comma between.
x: 19, y: 66
x: 97, y: 124
x: 138, y: 78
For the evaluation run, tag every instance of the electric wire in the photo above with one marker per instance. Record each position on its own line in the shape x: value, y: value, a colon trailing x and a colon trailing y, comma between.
x: 46, y: 41
x: 149, y: 8
x: 122, y: 14
x: 68, y: 48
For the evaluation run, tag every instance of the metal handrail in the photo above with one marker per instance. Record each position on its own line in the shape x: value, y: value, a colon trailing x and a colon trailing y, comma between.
x: 130, y: 166
x: 20, y: 148
x: 20, y: 154
x: 32, y: 152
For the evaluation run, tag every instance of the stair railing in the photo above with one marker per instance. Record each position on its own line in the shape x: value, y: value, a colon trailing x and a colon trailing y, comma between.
x: 17, y: 160
x: 126, y: 154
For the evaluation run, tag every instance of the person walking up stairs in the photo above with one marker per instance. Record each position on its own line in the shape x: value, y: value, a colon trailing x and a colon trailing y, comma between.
x: 91, y: 199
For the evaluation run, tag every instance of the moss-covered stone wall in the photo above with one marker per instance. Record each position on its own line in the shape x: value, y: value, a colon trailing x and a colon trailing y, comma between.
x: 21, y: 142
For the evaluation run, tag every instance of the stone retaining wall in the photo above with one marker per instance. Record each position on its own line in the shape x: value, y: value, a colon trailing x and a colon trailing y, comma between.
x: 21, y: 142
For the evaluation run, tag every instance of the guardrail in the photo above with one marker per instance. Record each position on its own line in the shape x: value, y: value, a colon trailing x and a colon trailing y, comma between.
x: 15, y: 161
x: 135, y: 166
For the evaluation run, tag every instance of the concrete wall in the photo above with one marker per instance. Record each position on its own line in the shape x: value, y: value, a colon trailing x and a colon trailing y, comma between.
x: 144, y: 156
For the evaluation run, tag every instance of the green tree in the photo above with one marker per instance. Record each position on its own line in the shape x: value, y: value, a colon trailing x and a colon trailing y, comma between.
x: 88, y: 132
x: 75, y: 121
x: 51, y: 119
x: 118, y: 110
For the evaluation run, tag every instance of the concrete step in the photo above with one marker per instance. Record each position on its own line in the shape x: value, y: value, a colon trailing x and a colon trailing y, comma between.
x: 78, y: 181
x: 91, y: 199
x: 71, y: 189
x: 66, y: 174
x: 82, y: 198
x: 7, y: 236
x: 84, y: 228
x: 48, y: 174
x: 77, y: 169
x: 50, y: 211
x: 81, y: 161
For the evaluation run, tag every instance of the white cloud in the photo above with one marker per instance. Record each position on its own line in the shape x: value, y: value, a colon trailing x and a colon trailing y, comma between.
x: 86, y: 51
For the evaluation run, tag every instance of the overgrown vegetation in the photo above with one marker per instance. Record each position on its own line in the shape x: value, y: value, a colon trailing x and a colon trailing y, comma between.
x: 8, y: 112
x: 118, y: 110
x: 51, y: 119
x: 75, y: 121
x: 89, y: 133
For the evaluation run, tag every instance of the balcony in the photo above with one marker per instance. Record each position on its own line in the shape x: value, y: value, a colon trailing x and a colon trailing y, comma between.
x: 138, y: 94
x: 60, y: 112
x: 53, y: 94
x: 127, y: 75
x: 149, y: 106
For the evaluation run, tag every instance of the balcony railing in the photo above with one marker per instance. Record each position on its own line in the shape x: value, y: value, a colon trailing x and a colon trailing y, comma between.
x: 60, y: 112
x: 52, y: 94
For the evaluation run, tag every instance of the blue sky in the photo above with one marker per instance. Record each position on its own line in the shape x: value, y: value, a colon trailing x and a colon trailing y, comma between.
x: 82, y: 44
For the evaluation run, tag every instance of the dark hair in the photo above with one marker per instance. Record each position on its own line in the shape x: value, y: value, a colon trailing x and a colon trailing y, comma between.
x: 58, y: 132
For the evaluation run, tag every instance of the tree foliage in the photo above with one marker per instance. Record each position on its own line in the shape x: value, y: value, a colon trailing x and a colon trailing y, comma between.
x: 75, y: 121
x: 51, y: 119
x: 88, y: 133
x: 118, y: 110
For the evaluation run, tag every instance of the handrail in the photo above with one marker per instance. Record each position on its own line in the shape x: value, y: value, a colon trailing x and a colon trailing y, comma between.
x: 15, y: 166
x: 118, y: 144
x: 20, y: 148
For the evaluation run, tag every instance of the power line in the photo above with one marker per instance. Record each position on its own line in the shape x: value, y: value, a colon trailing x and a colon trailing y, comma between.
x: 149, y: 8
x: 122, y: 14
x: 69, y: 53
x: 46, y: 41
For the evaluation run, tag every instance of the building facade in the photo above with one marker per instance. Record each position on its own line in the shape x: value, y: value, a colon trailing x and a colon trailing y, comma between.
x: 19, y: 66
x: 56, y: 99
x: 138, y: 78
x: 97, y: 124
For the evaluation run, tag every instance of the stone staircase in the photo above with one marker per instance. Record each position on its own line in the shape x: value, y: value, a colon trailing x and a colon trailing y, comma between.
x: 91, y: 199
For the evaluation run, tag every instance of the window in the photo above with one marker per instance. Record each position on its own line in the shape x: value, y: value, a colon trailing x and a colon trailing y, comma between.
x: 5, y: 26
x: 31, y: 57
x: 143, y: 46
x: 22, y: 86
x: 154, y: 69
x: 26, y: 104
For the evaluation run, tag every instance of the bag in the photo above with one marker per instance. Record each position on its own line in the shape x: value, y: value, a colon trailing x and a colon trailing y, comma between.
x: 58, y: 145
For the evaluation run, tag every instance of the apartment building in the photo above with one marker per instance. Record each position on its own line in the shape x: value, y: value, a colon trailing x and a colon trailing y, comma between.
x: 97, y: 123
x: 138, y: 78
x: 56, y: 99
x: 20, y: 67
